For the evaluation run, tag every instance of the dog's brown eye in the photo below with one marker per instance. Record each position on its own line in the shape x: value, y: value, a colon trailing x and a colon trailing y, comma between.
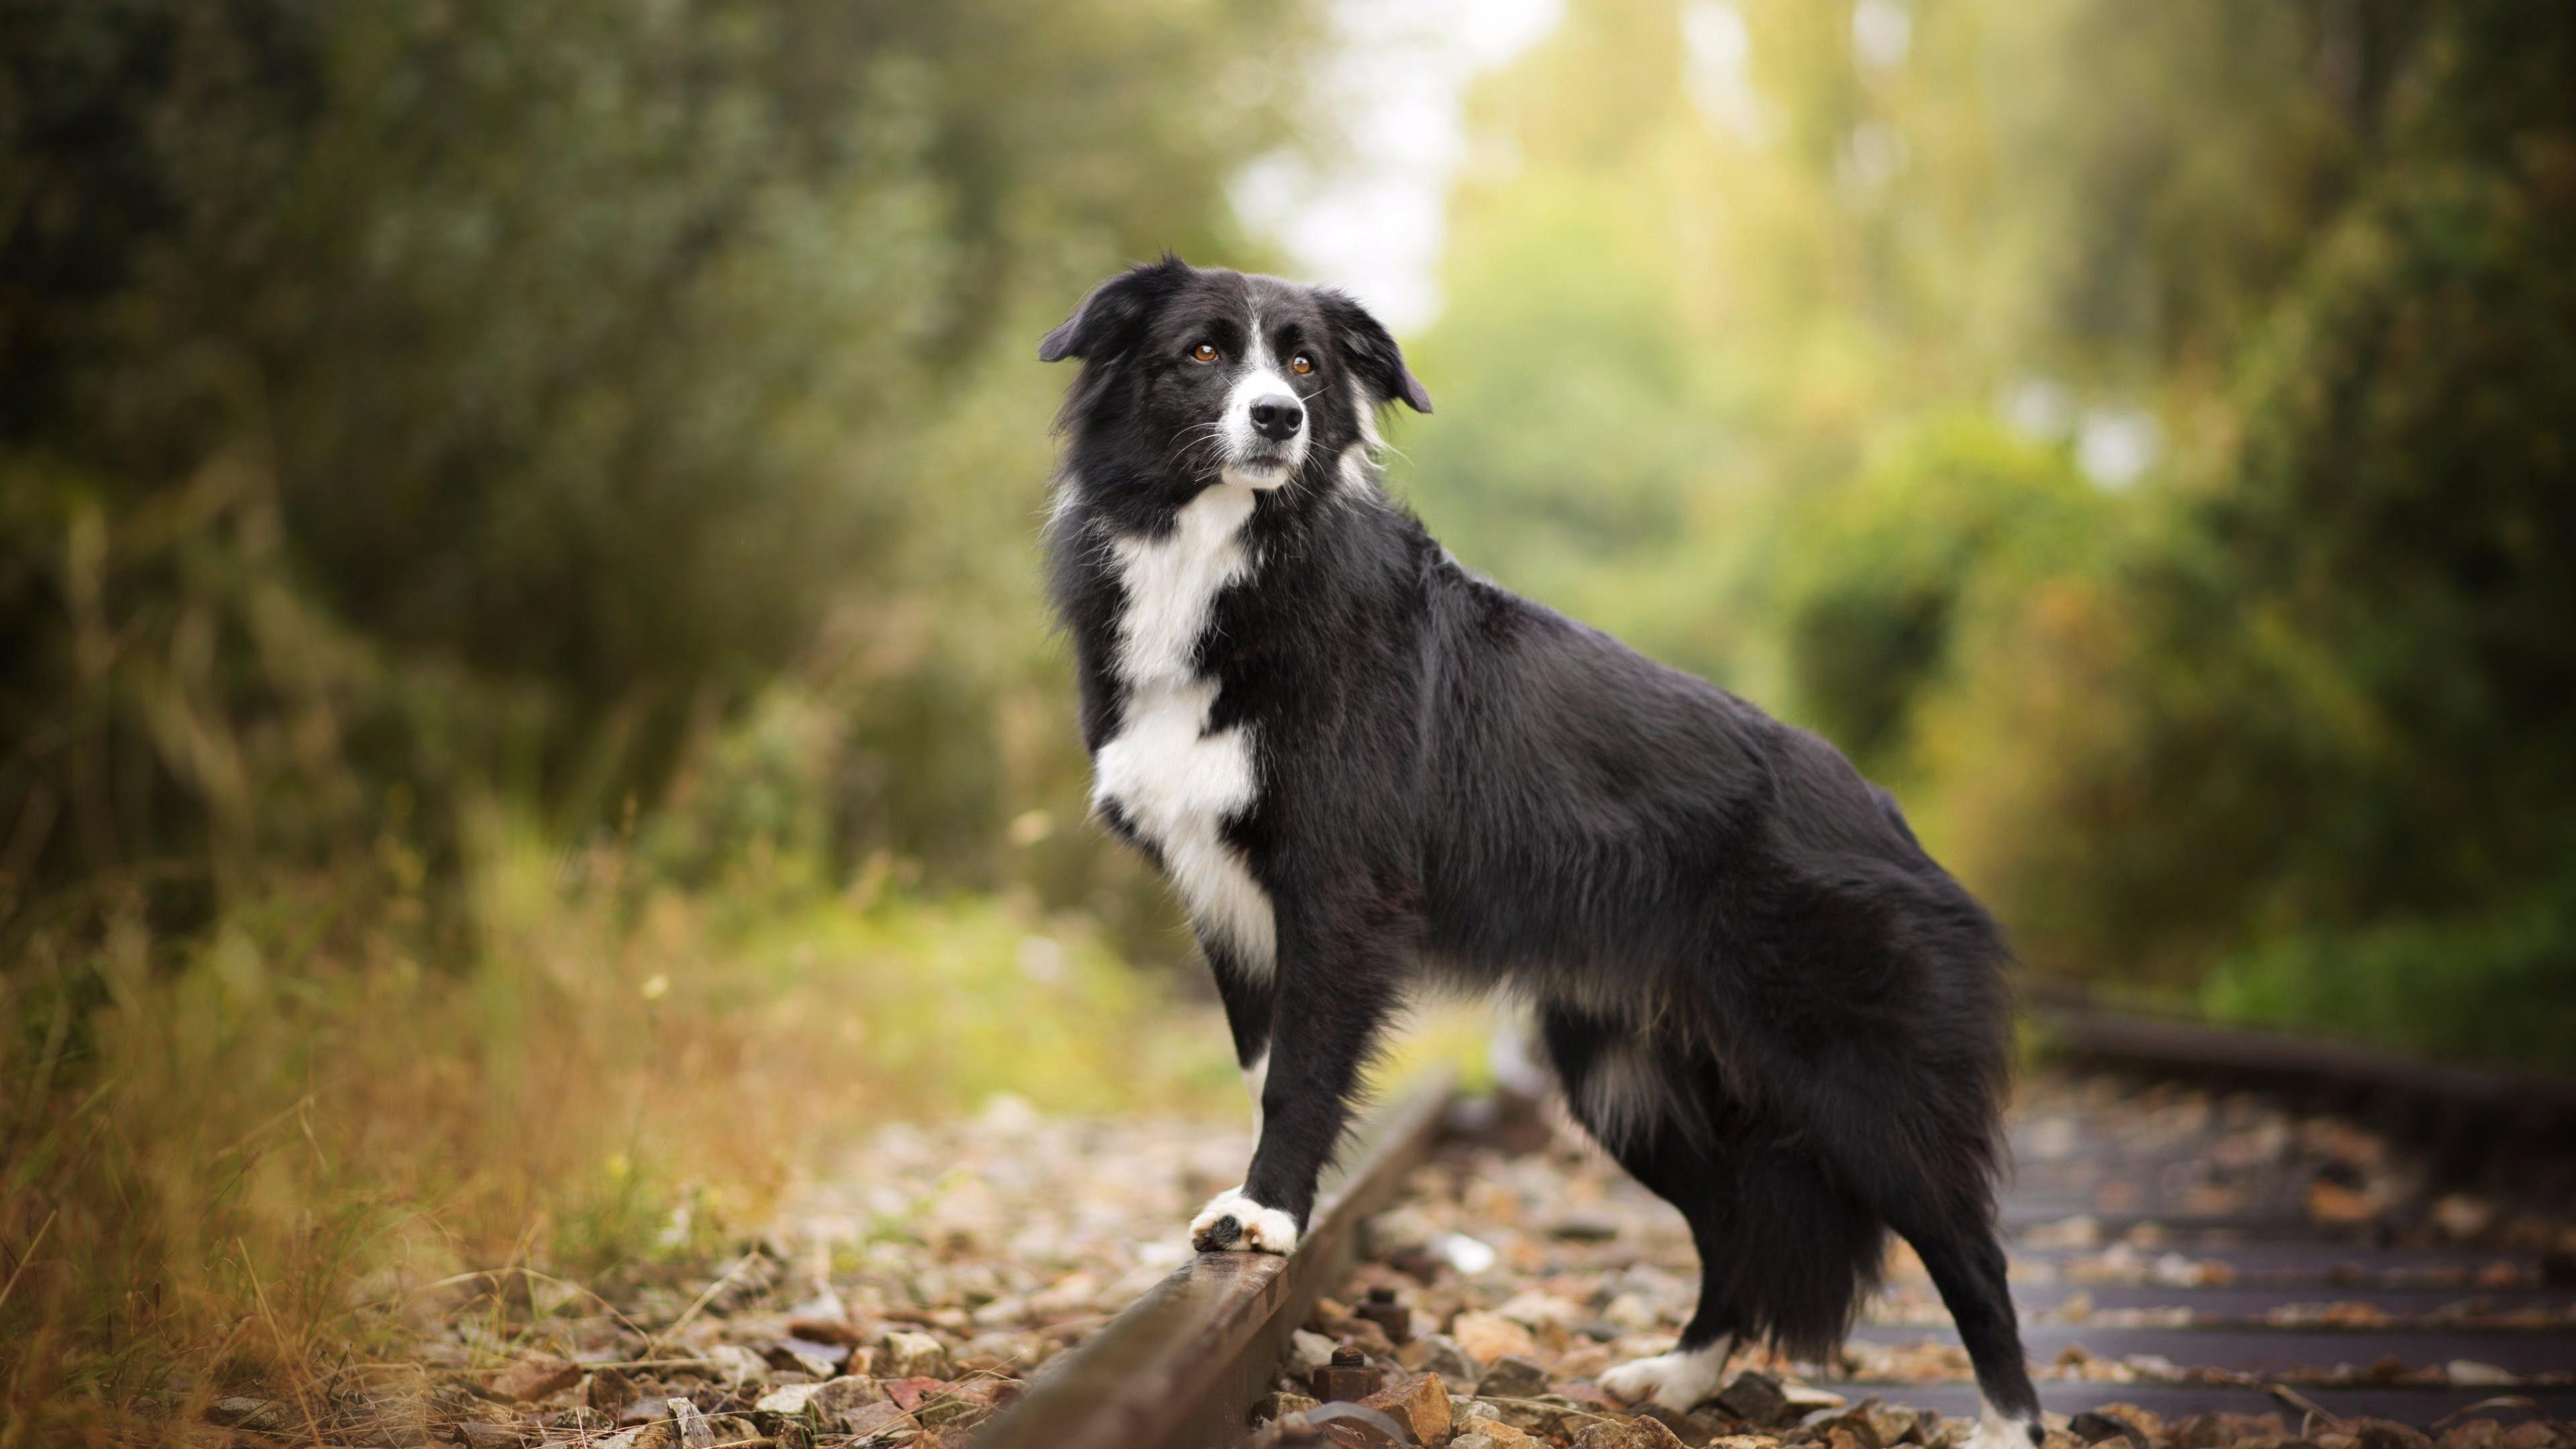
x: 1204, y: 352
x: 1301, y: 364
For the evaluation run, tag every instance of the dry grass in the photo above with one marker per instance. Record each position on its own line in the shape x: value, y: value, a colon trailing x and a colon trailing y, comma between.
x: 232, y: 1164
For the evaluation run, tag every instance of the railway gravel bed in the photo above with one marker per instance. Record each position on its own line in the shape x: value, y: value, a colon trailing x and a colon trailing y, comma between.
x: 917, y: 1295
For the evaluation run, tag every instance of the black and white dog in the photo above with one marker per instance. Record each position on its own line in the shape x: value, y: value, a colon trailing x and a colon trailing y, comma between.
x: 1361, y: 765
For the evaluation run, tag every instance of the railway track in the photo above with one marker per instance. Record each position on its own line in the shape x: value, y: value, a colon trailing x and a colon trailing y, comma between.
x: 2203, y: 1255
x: 1180, y: 1368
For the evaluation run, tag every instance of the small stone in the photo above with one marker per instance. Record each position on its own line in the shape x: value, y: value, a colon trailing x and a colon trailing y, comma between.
x: 2529, y: 1434
x: 1489, y: 1434
x: 908, y: 1393
x: 1537, y: 1310
x: 1856, y: 1424
x: 836, y: 1402
x: 1756, y: 1398
x: 1440, y: 1354
x: 650, y: 1409
x: 1491, y: 1336
x: 1806, y: 1398
x: 964, y: 1405
x: 1635, y: 1434
x: 870, y: 1421
x: 791, y: 1402
x: 1278, y: 1406
x: 2483, y: 1375
x: 737, y: 1366
x: 1896, y: 1425
x: 689, y: 1427
x: 1551, y: 1415
x: 1307, y: 1352
x: 905, y: 1355
x: 1421, y: 1405
x: 1512, y: 1378
x: 1689, y: 1428
x: 806, y: 1356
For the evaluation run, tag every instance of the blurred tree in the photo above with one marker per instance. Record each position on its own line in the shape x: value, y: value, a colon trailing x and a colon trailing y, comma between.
x: 2138, y: 432
x: 2357, y: 673
x: 429, y: 393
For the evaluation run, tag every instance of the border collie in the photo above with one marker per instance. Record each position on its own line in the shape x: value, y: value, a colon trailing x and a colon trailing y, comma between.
x: 1361, y: 765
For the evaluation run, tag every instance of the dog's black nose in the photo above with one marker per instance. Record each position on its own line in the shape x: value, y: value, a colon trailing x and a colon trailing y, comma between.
x: 1277, y: 418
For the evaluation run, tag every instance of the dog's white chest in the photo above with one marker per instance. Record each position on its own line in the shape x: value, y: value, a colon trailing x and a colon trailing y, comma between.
x: 1176, y: 781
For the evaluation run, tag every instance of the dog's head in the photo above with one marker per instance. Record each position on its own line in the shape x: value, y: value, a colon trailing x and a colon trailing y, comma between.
x: 1219, y: 376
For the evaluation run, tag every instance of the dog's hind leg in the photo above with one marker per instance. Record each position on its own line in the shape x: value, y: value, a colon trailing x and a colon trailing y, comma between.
x: 1915, y: 1140
x: 1621, y: 1096
x: 1967, y: 1266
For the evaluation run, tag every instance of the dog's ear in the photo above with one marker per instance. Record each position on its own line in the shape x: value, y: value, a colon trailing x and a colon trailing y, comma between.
x: 1372, y: 350
x: 1108, y: 320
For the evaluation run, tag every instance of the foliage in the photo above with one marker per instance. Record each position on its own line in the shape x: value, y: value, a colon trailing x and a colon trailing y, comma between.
x: 506, y: 513
x: 1819, y: 364
x: 578, y: 356
x: 2373, y: 602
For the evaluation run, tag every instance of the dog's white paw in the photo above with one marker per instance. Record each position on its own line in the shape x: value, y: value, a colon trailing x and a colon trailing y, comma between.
x: 1996, y: 1430
x: 1677, y: 1381
x: 1232, y: 1222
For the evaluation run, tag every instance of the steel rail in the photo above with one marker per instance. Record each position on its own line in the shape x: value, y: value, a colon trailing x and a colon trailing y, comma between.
x: 2469, y: 1120
x: 1182, y: 1366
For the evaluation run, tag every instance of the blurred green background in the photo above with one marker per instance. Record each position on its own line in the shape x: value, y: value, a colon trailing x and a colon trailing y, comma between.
x: 520, y: 644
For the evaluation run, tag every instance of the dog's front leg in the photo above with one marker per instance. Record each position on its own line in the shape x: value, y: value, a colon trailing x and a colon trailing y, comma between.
x: 1331, y: 999
x: 1248, y: 994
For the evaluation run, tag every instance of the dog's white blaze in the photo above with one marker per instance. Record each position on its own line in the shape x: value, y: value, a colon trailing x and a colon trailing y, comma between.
x: 1366, y: 412
x: 1176, y: 781
x: 1261, y: 378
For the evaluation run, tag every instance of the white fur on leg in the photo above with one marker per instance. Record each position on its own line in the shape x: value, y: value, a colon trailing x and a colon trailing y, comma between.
x: 1255, y: 1077
x: 1997, y: 1430
x: 1233, y: 1222
x: 1675, y: 1380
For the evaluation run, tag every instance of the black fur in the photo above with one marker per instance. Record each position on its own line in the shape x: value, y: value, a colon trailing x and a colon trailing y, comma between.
x: 1456, y: 783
